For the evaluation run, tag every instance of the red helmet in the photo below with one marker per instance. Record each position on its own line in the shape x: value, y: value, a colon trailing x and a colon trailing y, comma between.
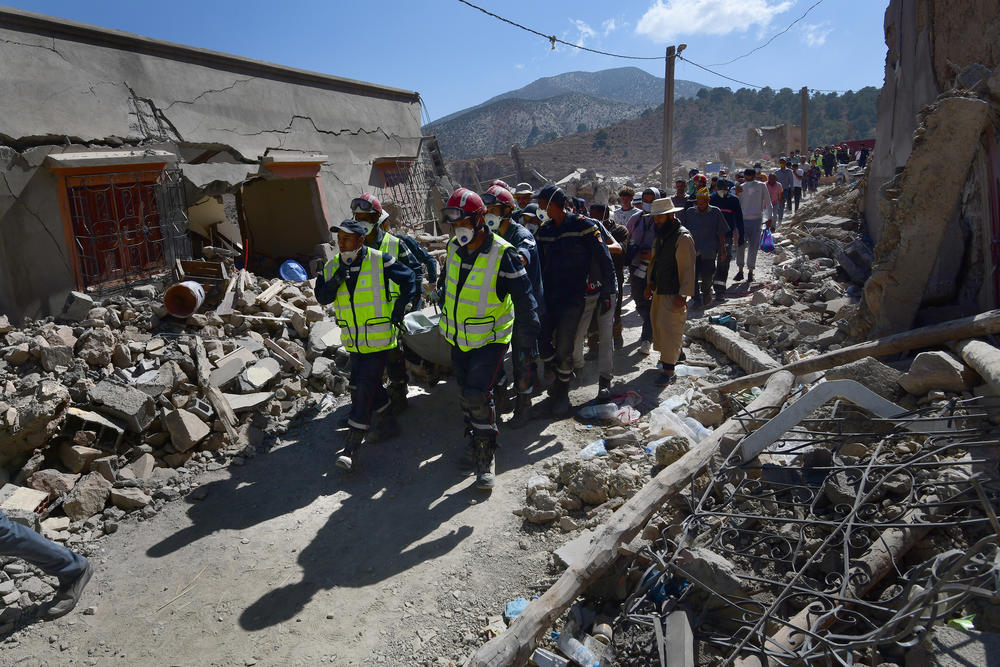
x: 700, y: 179
x: 366, y: 202
x: 497, y: 181
x: 463, y: 203
x: 498, y: 195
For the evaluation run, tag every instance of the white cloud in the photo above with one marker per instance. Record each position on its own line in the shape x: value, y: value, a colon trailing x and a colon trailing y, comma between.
x: 585, y: 31
x: 816, y: 34
x: 609, y: 26
x: 665, y: 21
x: 519, y: 66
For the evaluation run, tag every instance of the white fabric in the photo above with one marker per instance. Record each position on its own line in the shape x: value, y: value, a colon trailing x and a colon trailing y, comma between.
x: 756, y: 201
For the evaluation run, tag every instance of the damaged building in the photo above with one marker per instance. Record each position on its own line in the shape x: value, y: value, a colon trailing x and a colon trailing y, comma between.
x: 120, y: 154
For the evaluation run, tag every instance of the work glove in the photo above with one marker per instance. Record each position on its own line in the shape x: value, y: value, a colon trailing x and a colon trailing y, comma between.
x: 606, y: 303
x: 397, y: 317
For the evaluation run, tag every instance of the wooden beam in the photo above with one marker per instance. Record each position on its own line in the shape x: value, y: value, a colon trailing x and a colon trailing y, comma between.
x: 937, y: 334
x: 289, y: 359
x: 270, y: 292
x: 515, y: 646
x: 201, y: 362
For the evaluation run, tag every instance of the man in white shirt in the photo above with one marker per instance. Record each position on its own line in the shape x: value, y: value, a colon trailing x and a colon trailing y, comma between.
x: 755, y: 201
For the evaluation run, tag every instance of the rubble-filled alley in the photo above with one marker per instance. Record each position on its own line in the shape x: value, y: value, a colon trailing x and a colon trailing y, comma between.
x: 814, y: 481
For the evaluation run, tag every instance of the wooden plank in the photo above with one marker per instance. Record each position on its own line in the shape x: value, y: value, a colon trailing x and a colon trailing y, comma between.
x: 937, y: 334
x: 289, y: 359
x: 516, y: 645
x: 288, y: 306
x: 226, y: 305
x: 223, y: 410
x: 270, y: 292
x: 202, y: 269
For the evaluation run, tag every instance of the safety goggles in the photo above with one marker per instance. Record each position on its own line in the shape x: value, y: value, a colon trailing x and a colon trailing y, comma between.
x: 490, y: 199
x: 361, y: 204
x: 454, y: 214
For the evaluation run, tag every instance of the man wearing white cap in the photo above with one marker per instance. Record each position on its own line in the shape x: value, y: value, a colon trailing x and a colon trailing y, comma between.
x: 522, y: 194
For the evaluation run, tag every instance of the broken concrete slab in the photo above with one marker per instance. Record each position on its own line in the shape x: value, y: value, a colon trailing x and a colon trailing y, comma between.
x: 227, y: 372
x: 186, y: 429
x: 78, y: 458
x: 109, y: 434
x: 57, y: 357
x: 88, y: 497
x: 129, y: 499
x: 936, y: 370
x: 53, y: 482
x: 134, y: 407
x: 244, y: 402
x: 262, y: 373
x: 324, y: 336
x: 872, y: 373
x: 575, y: 549
x: 76, y: 307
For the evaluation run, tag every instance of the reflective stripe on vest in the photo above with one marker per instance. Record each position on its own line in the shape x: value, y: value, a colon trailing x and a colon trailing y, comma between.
x: 364, y: 317
x: 474, y: 316
x: 390, y: 246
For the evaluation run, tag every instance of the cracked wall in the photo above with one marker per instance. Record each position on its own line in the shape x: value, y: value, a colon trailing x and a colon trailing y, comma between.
x: 68, y: 84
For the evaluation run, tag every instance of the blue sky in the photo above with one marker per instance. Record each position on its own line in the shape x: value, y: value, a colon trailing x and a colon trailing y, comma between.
x: 456, y: 56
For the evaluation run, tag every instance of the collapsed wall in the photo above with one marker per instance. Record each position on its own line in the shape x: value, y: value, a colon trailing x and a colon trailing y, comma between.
x: 931, y: 202
x: 73, y: 88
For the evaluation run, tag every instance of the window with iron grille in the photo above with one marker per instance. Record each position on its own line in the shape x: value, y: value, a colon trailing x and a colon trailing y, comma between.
x: 126, y: 226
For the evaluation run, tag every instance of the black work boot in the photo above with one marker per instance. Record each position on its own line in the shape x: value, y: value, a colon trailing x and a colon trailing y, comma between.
x: 485, y: 447
x: 348, y: 458
x: 467, y: 461
x: 560, y: 398
x: 739, y: 275
x: 397, y: 397
x: 522, y: 411
x: 750, y: 276
x: 384, y: 426
x: 604, y: 389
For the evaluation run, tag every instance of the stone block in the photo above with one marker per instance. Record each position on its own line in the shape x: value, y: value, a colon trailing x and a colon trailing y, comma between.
x: 244, y: 402
x: 78, y: 458
x: 76, y: 307
x: 143, y: 466
x: 872, y: 373
x: 87, y: 498
x: 227, y: 372
x: 936, y: 370
x: 129, y: 499
x: 56, y: 357
x: 96, y: 347
x: 135, y: 408
x: 186, y: 429
x: 323, y: 336
x: 262, y: 373
x: 106, y: 467
x: 108, y: 434
x: 53, y: 482
x: 121, y: 356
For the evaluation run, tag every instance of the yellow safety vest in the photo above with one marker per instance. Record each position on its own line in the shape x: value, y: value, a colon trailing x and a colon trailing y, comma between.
x: 390, y: 246
x: 473, y: 316
x: 364, y: 317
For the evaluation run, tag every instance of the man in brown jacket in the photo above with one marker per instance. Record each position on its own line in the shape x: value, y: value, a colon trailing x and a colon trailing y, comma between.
x: 670, y: 281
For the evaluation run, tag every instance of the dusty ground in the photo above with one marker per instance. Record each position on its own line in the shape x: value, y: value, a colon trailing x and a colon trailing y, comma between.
x: 286, y: 560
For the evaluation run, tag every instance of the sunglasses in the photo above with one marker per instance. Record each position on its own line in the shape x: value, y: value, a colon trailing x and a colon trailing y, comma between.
x: 454, y: 214
x: 360, y: 204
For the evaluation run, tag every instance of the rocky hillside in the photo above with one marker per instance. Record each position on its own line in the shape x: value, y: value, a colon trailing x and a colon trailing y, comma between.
x: 551, y: 107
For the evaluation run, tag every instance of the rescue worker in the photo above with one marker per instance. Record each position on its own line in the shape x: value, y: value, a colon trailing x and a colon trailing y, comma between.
x: 424, y: 260
x: 729, y: 204
x: 357, y: 282
x: 367, y: 209
x: 499, y: 209
x: 567, y: 243
x: 528, y: 218
x: 670, y: 283
x: 522, y: 194
x: 485, y: 291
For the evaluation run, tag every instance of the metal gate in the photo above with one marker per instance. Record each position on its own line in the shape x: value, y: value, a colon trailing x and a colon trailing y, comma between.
x: 127, y: 226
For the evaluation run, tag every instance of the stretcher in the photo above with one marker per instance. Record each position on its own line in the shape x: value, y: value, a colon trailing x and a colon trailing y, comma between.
x: 428, y: 354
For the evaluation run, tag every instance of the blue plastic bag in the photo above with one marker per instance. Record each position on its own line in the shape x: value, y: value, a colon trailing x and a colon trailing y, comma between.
x: 767, y: 241
x: 292, y: 271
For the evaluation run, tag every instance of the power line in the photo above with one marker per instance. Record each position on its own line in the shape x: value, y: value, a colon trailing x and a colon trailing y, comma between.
x: 553, y: 40
x: 749, y: 85
x: 773, y: 37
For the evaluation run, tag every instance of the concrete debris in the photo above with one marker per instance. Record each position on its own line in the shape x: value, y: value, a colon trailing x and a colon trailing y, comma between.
x: 936, y: 370
x: 87, y: 498
x: 882, y: 379
x: 185, y: 428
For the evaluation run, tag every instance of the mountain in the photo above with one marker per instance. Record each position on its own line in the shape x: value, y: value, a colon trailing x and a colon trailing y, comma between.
x: 714, y: 120
x: 551, y: 107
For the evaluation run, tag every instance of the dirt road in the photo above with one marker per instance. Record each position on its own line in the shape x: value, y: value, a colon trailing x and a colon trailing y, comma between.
x: 287, y: 560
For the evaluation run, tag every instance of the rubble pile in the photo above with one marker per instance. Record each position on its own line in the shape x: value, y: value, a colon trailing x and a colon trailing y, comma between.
x: 110, y: 409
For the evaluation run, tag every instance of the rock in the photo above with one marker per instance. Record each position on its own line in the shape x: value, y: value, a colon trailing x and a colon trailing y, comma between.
x: 129, y: 499
x: 143, y: 466
x: 5, y: 326
x: 671, y: 449
x: 53, y: 482
x: 710, y: 569
x: 106, y: 467
x: 87, y: 498
x: 31, y: 419
x: 872, y: 373
x: 36, y: 588
x: 57, y: 357
x: 567, y: 525
x: 783, y: 297
x: 535, y: 515
x: 758, y: 298
x: 186, y: 429
x: 839, y: 490
x: 96, y: 346
x: 538, y: 483
x: 626, y: 439
x: 936, y: 370
x: 77, y: 458
x: 55, y: 524
x: 17, y: 354
x: 586, y: 479
x: 817, y: 246
x: 76, y: 307
x: 121, y: 357
x: 324, y: 336
x: 322, y: 367
x: 705, y: 410
x: 263, y: 372
x: 809, y: 328
x: 144, y: 292
x: 135, y: 408
x: 163, y: 380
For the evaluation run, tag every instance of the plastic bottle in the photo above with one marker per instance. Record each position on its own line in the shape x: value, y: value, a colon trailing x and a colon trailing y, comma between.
x: 681, y: 370
x: 700, y: 432
x: 593, y: 450
x: 576, y: 651
x: 603, y: 411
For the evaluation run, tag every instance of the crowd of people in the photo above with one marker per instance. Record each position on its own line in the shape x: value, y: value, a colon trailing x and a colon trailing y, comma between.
x: 542, y: 275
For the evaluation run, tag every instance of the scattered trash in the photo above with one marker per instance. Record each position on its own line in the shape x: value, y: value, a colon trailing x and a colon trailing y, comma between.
x: 683, y: 370
x: 964, y: 623
x: 514, y: 608
x: 593, y: 450
x: 601, y: 411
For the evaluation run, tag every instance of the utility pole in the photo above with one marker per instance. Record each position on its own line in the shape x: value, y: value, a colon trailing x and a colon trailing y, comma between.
x: 667, y: 167
x: 804, y: 93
